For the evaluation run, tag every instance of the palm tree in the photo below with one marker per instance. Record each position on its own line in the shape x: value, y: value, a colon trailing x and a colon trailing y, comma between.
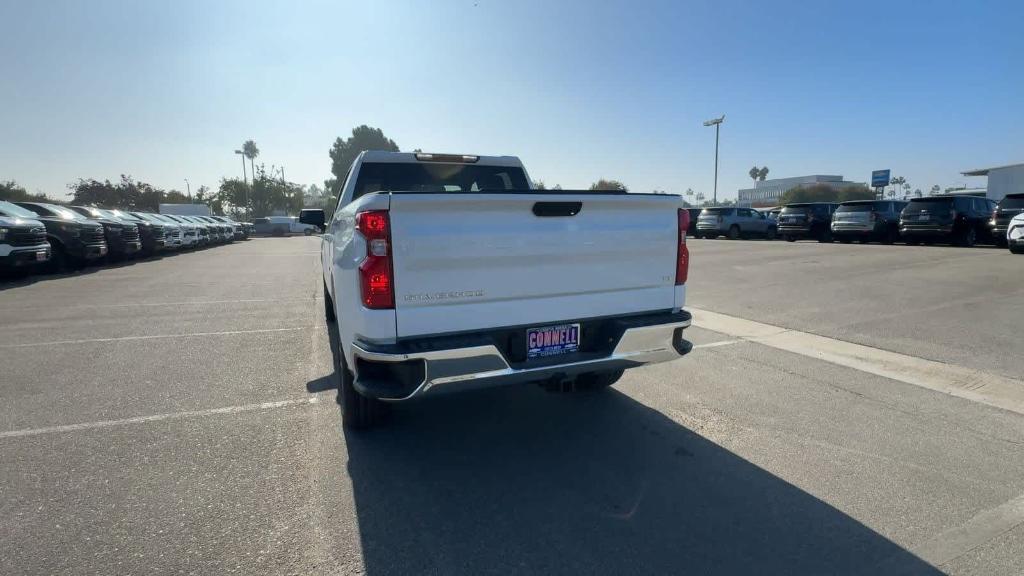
x: 250, y: 151
x: 896, y: 183
x: 754, y: 173
x: 762, y: 173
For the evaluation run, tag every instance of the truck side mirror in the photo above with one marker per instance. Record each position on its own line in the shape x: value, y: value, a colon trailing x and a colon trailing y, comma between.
x: 314, y: 217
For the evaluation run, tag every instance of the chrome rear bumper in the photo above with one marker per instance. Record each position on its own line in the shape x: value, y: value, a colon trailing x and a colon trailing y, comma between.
x: 484, y: 366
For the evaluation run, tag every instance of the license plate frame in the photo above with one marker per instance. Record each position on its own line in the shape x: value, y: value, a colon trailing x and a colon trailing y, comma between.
x: 41, y: 255
x: 554, y: 340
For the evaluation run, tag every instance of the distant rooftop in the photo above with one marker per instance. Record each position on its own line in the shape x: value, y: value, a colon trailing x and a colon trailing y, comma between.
x: 985, y: 171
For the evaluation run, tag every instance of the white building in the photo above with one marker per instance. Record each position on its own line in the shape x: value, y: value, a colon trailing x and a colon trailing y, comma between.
x: 769, y: 192
x: 1002, y: 180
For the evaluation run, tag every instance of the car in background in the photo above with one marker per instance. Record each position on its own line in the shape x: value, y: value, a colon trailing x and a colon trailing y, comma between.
x: 812, y: 220
x: 74, y: 239
x: 225, y: 232
x: 1015, y: 234
x: 1007, y: 209
x: 189, y: 230
x: 237, y: 228
x: 691, y: 230
x: 23, y: 243
x: 216, y: 229
x: 174, y: 231
x: 151, y: 234
x: 959, y: 220
x: 123, y: 238
x: 734, y: 223
x: 867, y: 220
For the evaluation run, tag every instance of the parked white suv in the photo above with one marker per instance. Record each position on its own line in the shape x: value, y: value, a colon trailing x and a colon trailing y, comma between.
x: 448, y: 272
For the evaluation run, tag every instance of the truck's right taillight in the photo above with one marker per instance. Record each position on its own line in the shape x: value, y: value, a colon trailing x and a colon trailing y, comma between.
x: 376, y: 274
x: 683, y: 256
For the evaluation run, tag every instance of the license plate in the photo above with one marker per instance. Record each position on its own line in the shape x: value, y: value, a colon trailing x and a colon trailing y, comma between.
x: 41, y: 256
x: 922, y: 217
x: 552, y: 340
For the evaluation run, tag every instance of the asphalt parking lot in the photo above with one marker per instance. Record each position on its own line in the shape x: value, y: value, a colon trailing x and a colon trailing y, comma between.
x: 177, y: 416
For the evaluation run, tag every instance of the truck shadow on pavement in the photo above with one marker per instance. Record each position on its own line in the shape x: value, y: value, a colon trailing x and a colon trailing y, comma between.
x: 518, y: 480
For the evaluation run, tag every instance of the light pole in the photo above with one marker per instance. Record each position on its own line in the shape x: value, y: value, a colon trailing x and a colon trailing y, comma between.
x: 716, y: 122
x: 246, y: 182
x: 189, y: 188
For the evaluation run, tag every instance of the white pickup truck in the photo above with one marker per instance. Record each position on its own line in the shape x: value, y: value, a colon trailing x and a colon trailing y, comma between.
x: 449, y: 272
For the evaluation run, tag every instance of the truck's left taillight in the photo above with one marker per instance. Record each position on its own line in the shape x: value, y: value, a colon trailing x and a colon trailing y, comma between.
x: 376, y: 274
x: 683, y: 256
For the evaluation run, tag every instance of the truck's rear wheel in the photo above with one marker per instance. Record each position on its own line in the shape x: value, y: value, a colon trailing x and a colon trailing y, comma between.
x: 357, y: 411
x: 329, y: 306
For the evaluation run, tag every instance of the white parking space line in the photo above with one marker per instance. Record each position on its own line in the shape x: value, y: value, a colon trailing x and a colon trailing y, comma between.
x: 716, y: 344
x: 153, y: 337
x: 156, y: 304
x: 953, y: 543
x: 156, y: 418
x: 975, y: 385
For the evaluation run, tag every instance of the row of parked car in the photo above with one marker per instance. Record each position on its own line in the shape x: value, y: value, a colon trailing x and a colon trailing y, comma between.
x: 36, y: 234
x: 958, y: 220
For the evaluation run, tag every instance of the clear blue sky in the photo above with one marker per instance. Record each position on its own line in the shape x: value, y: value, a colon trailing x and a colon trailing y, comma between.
x: 580, y: 90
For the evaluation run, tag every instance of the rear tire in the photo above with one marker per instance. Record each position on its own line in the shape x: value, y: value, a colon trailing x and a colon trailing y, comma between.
x: 329, y: 313
x: 788, y: 238
x: 357, y: 411
x: 1017, y: 249
x: 734, y: 232
x: 910, y: 242
x: 845, y: 240
x: 968, y: 238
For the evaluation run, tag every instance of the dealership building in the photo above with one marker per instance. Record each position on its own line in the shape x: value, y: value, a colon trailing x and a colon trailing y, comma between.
x: 1002, y: 180
x: 769, y: 192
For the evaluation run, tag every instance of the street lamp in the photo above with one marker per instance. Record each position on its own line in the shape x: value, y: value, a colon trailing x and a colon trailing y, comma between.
x: 189, y: 188
x: 246, y: 182
x: 716, y: 122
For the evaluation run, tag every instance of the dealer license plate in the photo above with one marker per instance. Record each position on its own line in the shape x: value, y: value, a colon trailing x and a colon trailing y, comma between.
x: 552, y: 340
x: 40, y: 256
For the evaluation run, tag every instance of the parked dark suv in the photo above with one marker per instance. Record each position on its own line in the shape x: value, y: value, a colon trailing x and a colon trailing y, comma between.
x: 1007, y: 208
x: 123, y: 239
x: 960, y: 220
x: 807, y: 220
x: 74, y: 238
x: 867, y: 220
x: 691, y: 231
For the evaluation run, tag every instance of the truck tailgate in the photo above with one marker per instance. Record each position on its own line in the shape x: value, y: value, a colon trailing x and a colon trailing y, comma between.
x: 467, y: 262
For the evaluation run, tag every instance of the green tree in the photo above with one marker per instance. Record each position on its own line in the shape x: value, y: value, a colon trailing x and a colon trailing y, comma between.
x: 603, y: 184
x: 762, y: 173
x: 539, y: 185
x: 826, y: 193
x: 12, y: 192
x: 344, y: 152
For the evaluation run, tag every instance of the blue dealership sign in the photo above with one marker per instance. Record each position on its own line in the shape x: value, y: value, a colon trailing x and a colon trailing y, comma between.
x: 880, y: 178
